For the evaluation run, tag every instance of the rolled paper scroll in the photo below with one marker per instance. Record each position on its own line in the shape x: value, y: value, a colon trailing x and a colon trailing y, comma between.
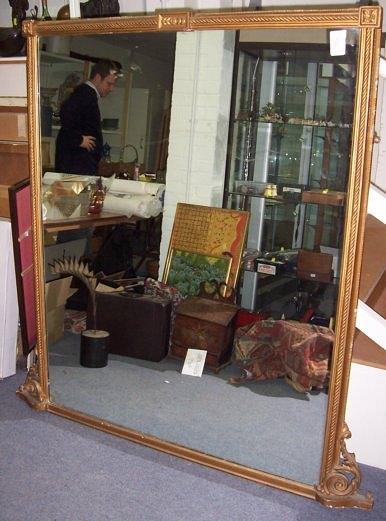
x: 123, y: 186
x: 145, y: 206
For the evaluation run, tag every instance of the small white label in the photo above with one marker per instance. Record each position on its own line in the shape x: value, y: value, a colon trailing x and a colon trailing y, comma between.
x: 194, y: 362
x: 338, y: 42
x: 266, y: 268
x: 291, y: 189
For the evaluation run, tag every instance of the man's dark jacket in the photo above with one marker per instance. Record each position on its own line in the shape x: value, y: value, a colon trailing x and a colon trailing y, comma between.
x: 79, y: 116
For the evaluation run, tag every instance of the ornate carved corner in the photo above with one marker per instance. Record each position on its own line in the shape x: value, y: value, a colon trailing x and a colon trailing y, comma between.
x: 31, y: 391
x: 28, y: 28
x: 340, y: 486
x: 370, y: 16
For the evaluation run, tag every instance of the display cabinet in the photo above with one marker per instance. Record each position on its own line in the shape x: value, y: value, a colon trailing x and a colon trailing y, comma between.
x: 288, y: 163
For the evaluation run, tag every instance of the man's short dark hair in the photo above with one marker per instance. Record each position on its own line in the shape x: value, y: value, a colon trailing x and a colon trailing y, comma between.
x: 104, y: 68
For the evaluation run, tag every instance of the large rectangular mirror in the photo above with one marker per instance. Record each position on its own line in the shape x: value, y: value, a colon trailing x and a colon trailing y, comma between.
x: 284, y: 123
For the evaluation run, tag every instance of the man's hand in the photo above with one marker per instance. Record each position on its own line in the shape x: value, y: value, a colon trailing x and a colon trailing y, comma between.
x: 88, y: 142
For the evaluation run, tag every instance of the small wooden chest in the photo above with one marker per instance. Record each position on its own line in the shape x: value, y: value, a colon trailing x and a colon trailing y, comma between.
x: 314, y: 266
x: 204, y: 324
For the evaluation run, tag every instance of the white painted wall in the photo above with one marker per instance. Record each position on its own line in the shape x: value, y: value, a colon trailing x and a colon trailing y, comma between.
x: 13, y: 80
x: 365, y: 407
x: 366, y: 415
x: 379, y: 155
x: 199, y: 123
x: 366, y: 410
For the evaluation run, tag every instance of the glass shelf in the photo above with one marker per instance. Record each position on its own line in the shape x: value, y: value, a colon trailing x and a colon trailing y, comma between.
x: 284, y: 200
x: 301, y: 123
x: 291, y: 127
x: 282, y: 274
x: 277, y: 200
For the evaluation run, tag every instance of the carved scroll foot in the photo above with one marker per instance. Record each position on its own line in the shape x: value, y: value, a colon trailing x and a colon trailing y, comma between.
x: 31, y: 390
x: 340, y: 486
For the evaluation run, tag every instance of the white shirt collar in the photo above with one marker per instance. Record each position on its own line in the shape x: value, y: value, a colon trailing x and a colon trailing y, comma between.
x: 90, y: 84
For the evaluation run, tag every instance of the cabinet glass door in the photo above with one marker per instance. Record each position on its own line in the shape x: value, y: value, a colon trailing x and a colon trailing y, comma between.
x: 289, y: 153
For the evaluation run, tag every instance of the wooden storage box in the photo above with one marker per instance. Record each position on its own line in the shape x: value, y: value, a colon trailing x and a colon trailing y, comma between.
x: 314, y: 266
x: 13, y: 123
x: 324, y: 197
x: 4, y: 201
x: 13, y: 168
x: 204, y: 324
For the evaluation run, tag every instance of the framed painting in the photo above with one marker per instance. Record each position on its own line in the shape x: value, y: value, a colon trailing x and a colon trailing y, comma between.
x: 21, y: 222
x: 186, y: 270
x: 211, y: 231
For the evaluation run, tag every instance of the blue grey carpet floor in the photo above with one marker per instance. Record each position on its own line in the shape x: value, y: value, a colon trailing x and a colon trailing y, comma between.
x: 52, y: 469
x: 265, y: 425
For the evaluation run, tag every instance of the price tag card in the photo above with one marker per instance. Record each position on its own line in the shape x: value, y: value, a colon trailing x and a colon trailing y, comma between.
x: 194, y: 362
x: 268, y: 269
x: 338, y: 42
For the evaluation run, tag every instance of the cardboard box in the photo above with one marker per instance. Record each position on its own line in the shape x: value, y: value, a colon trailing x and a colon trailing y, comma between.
x: 70, y: 249
x: 14, y: 164
x: 57, y: 293
x: 13, y: 125
x: 4, y: 201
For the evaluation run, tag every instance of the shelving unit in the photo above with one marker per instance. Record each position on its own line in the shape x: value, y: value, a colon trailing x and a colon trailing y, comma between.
x: 295, y: 121
x: 288, y: 161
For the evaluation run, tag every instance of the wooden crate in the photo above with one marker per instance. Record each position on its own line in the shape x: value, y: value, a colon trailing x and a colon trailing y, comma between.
x: 204, y: 324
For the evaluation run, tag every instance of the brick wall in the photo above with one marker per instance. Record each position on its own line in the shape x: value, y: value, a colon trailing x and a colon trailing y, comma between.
x: 199, y: 123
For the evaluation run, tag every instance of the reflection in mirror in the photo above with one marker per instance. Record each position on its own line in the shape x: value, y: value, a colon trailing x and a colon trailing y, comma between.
x: 291, y: 130
x: 289, y: 121
x: 134, y: 117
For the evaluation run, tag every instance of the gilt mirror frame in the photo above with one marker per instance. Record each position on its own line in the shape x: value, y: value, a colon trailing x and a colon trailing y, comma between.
x: 339, y: 473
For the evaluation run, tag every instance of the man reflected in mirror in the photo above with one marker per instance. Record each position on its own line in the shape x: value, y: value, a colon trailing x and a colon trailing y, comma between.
x: 79, y: 145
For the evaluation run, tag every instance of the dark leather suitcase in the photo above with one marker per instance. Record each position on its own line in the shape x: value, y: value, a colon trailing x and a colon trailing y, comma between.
x: 139, y: 325
x: 204, y: 324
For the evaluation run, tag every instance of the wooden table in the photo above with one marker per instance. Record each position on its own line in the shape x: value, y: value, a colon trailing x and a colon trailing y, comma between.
x: 91, y: 220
